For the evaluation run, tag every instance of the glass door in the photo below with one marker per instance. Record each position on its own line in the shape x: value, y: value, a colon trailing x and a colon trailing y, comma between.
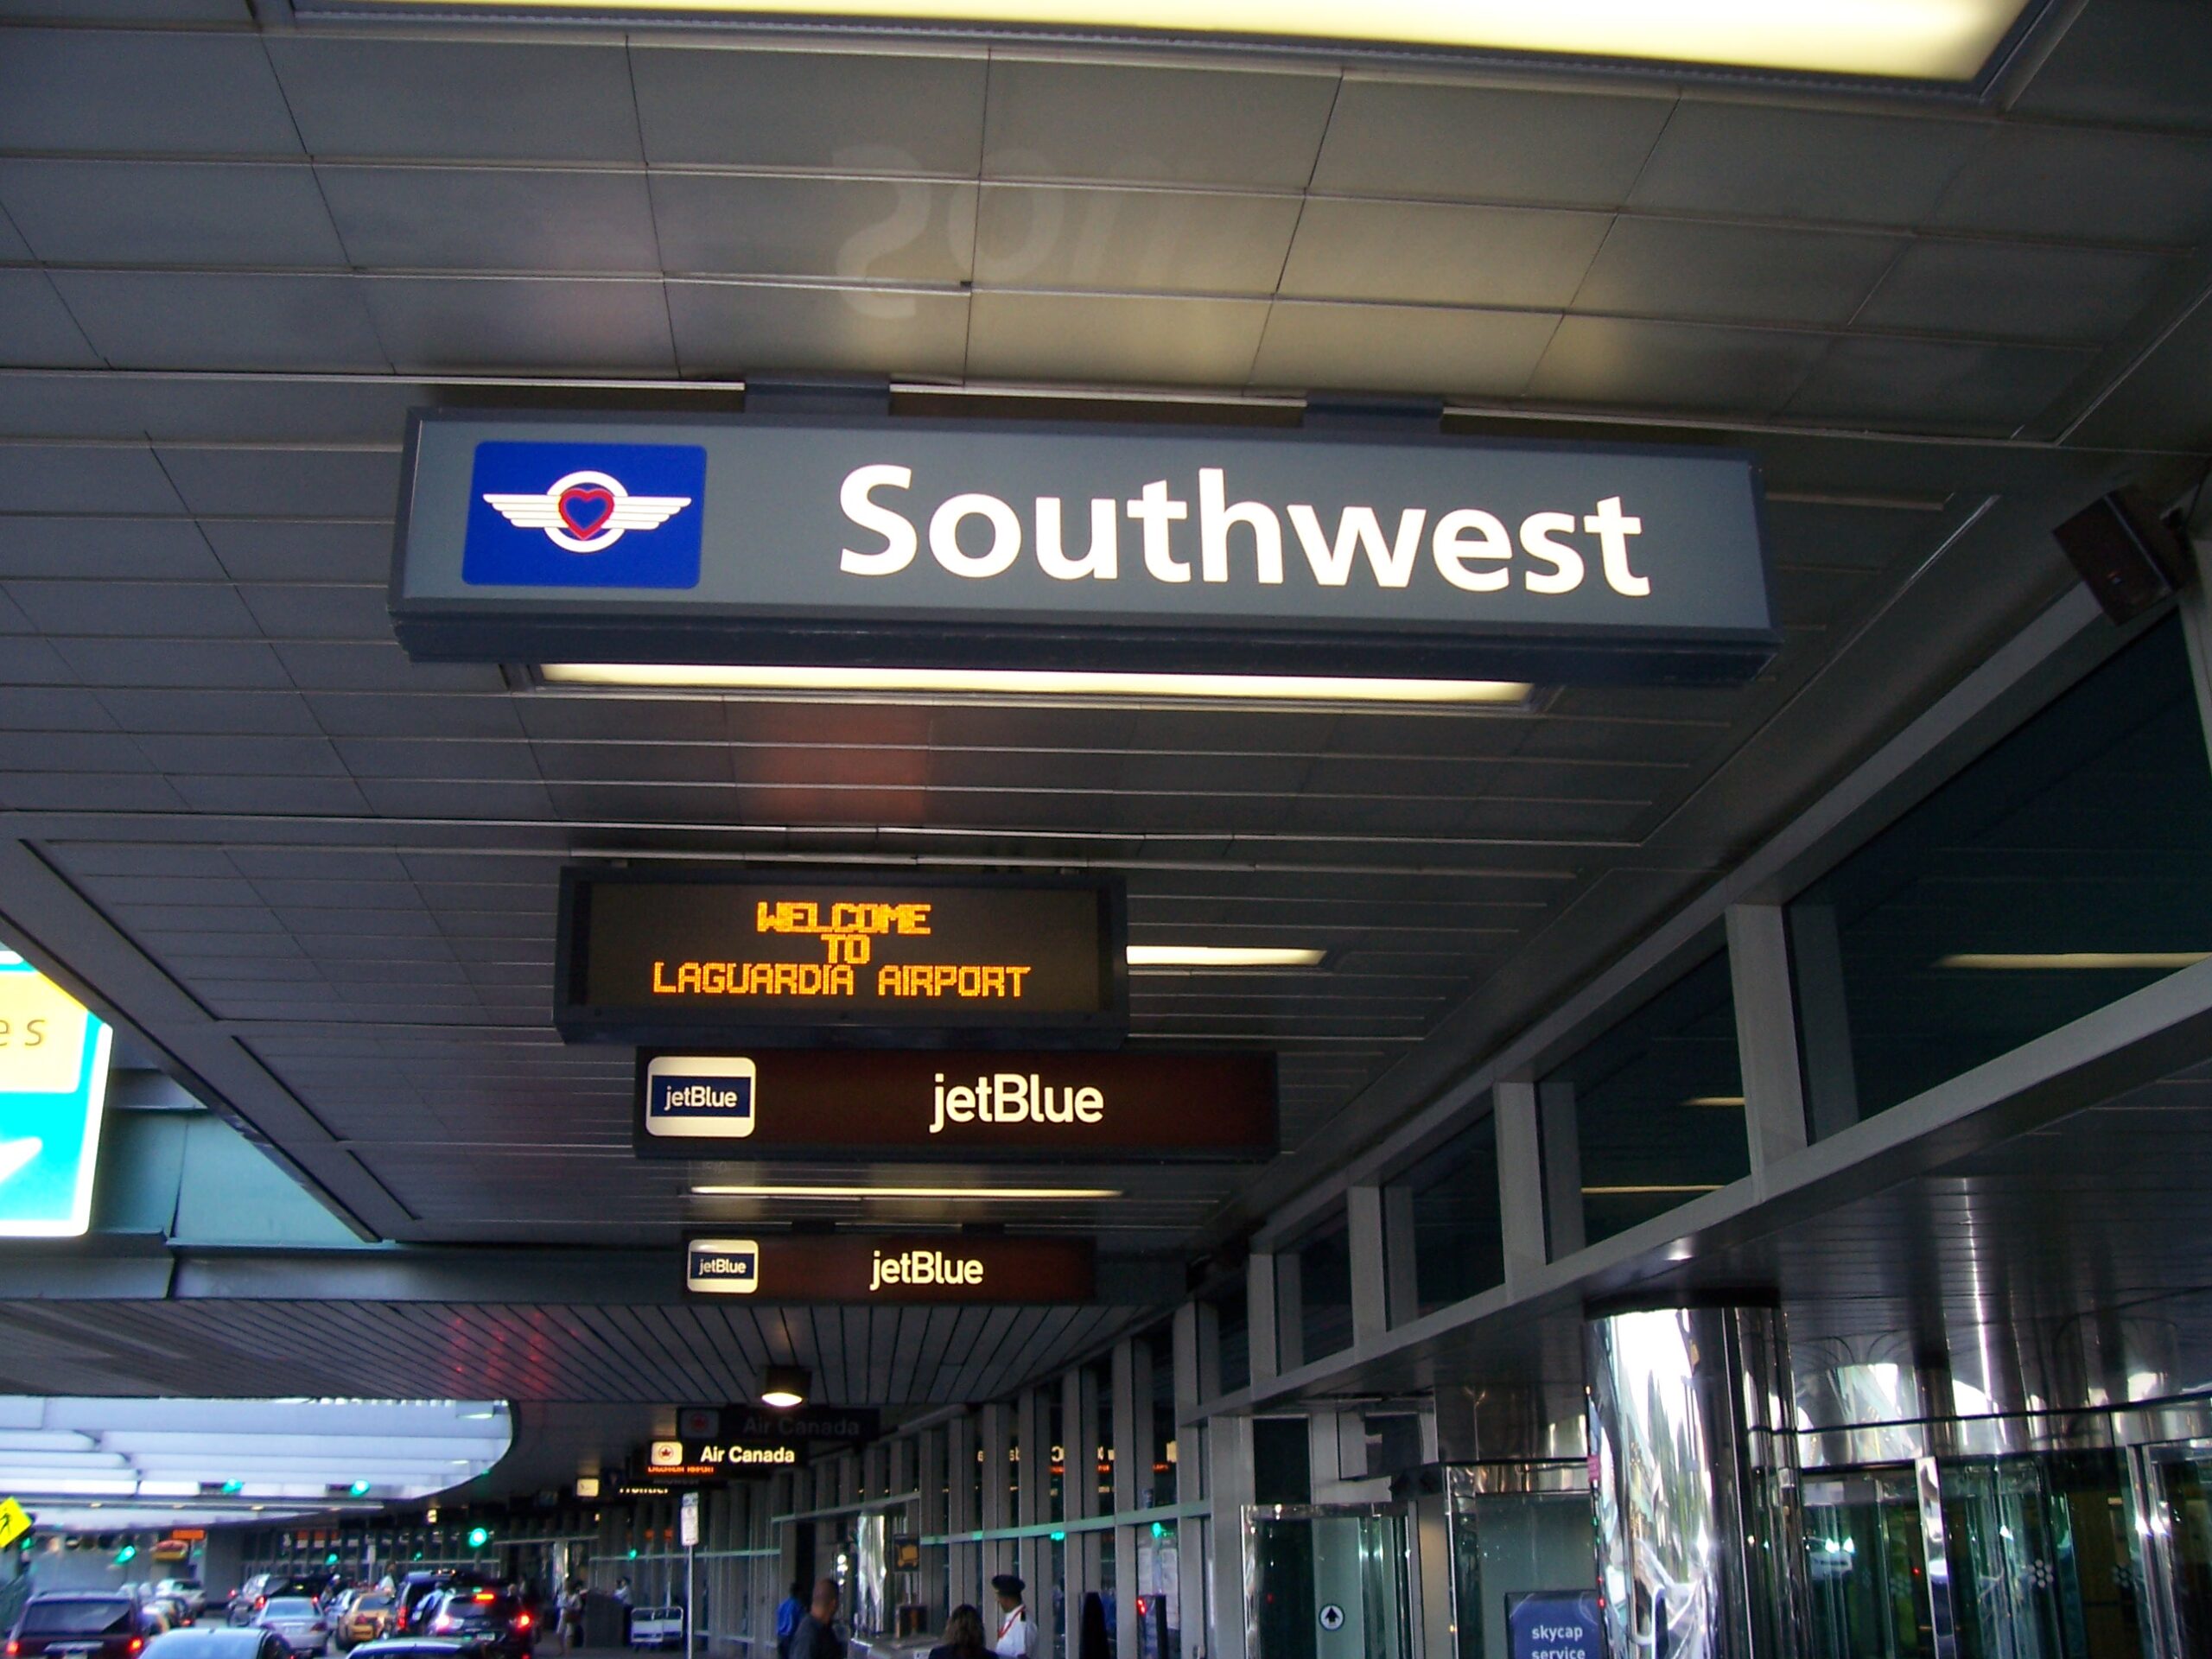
x: 1326, y: 1583
x: 2039, y: 1558
x: 1866, y: 1565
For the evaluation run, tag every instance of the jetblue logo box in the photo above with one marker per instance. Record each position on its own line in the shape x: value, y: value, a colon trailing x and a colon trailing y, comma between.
x: 691, y: 1095
x: 723, y: 1266
x: 585, y: 515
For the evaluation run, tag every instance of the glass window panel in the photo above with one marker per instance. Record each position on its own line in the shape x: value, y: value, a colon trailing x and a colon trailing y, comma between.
x: 1233, y: 1340
x: 2071, y: 865
x: 1442, y: 1212
x: 1656, y: 1106
x: 1314, y: 1305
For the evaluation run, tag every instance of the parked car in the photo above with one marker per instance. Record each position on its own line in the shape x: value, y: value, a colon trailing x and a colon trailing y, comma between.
x: 190, y: 1591
x: 366, y: 1617
x: 258, y: 1592
x: 169, y: 1612
x: 485, y: 1618
x: 85, y: 1624
x: 304, y: 1626
x: 218, y: 1642
x: 414, y: 1590
x: 417, y: 1647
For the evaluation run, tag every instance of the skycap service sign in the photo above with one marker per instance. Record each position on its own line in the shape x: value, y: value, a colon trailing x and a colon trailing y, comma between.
x: 54, y: 1058
x: 895, y: 1269
x: 784, y: 541
x: 659, y: 953
x: 970, y: 1106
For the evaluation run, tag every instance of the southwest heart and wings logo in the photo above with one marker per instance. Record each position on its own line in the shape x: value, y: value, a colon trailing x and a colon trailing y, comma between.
x: 585, y: 515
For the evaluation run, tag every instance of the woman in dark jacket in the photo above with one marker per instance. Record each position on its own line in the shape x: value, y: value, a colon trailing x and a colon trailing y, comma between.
x: 1094, y: 1642
x: 964, y: 1636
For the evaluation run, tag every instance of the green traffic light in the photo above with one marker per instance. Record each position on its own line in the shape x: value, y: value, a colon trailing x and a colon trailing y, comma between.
x: 479, y: 1536
x: 125, y: 1554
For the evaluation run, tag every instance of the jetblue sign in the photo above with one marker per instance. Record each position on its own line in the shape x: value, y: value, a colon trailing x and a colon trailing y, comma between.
x: 775, y: 540
x: 698, y: 1098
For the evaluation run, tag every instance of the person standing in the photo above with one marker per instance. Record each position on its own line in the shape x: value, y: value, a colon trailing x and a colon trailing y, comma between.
x: 1092, y: 1642
x: 1017, y: 1636
x: 964, y: 1635
x: 816, y: 1635
x: 787, y: 1618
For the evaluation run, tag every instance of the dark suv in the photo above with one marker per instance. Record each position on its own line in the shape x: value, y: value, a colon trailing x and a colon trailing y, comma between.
x: 490, y: 1619
x: 89, y: 1624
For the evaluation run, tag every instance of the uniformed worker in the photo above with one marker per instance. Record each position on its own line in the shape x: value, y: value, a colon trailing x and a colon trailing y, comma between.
x: 1017, y: 1636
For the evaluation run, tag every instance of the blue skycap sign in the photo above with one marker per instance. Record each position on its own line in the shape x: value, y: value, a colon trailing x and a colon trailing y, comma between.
x: 54, y: 1056
x: 790, y: 541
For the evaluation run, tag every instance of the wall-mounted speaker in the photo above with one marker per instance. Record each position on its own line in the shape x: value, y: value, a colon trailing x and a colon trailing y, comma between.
x: 2129, y: 555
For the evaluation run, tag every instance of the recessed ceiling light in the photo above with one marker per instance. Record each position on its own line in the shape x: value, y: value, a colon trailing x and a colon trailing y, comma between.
x: 1222, y: 956
x: 1934, y: 40
x: 1637, y: 1191
x: 2013, y: 961
x: 1714, y: 1100
x: 980, y: 1194
x: 1051, y: 684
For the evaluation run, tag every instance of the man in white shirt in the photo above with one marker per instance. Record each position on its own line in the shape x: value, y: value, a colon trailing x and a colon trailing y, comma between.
x: 1017, y: 1636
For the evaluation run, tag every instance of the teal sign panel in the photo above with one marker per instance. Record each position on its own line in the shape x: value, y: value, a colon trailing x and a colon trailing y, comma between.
x: 53, y: 1060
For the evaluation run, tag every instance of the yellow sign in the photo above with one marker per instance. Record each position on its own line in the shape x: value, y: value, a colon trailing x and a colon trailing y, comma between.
x: 41, y: 1036
x: 14, y: 1524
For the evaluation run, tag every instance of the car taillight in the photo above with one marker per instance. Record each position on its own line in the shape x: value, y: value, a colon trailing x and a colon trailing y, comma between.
x: 522, y: 1621
x: 14, y: 1648
x: 136, y: 1642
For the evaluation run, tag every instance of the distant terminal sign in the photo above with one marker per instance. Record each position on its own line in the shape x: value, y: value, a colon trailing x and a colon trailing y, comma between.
x: 900, y: 1269
x: 663, y: 955
x: 971, y: 1106
x: 54, y: 1059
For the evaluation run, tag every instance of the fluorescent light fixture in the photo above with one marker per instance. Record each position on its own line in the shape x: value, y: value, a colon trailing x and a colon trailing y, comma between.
x: 1929, y: 40
x: 1714, y: 1100
x: 989, y: 1194
x: 1659, y: 1188
x: 1040, y: 683
x: 1222, y: 956
x: 2070, y: 961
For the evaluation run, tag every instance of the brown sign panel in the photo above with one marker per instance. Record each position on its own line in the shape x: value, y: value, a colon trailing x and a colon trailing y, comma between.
x: 972, y: 1106
x: 891, y: 1269
x: 670, y: 953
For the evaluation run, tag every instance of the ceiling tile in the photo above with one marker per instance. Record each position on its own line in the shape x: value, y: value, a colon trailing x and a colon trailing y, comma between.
x: 452, y: 100
x: 1701, y: 270
x: 492, y: 218
x: 95, y: 478
x: 2024, y: 292
x: 146, y: 319
x: 1114, y: 338
x: 36, y: 330
x: 319, y: 611
x: 1145, y: 241
x: 161, y: 549
x: 1780, y: 162
x: 113, y: 91
x: 871, y: 229
x: 2135, y: 62
x: 736, y: 329
x: 2070, y: 182
x: 217, y: 713
x: 1481, y: 144
x: 246, y: 481
x: 1613, y: 362
x: 2165, y: 399
x: 613, y: 324
x: 215, y: 664
x: 1936, y: 385
x: 275, y: 550
x: 1441, y: 254
x: 1427, y: 349
x: 1114, y: 122
x: 152, y: 610
x: 12, y: 246
x: 818, y: 111
x: 95, y: 213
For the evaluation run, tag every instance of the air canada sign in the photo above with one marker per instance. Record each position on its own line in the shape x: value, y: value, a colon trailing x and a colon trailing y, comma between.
x: 815, y: 542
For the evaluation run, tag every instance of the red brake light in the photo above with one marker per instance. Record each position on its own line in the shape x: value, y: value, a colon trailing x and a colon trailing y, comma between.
x: 481, y: 1595
x: 522, y: 1621
x: 136, y: 1642
x: 14, y: 1648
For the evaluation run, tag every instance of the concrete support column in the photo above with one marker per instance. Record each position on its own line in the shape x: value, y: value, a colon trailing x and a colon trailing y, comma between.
x: 997, y: 1429
x: 1371, y: 1293
x: 1766, y: 1034
x: 1259, y: 1308
x: 965, y: 1558
x: 1693, y: 1464
x: 1561, y: 1139
x: 1229, y: 1476
x: 1520, y: 1183
x: 1033, y: 1557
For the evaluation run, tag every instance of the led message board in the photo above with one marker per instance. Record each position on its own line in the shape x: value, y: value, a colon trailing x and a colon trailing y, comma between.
x: 693, y: 1462
x: 769, y: 540
x: 661, y: 954
x: 891, y: 1269
x: 839, y: 1424
x: 1116, y: 1107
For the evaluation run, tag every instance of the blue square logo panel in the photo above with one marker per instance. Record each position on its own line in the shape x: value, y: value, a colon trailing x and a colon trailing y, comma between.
x: 585, y: 515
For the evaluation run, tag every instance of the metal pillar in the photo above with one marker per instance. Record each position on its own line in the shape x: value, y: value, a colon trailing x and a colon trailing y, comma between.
x: 1693, y: 1463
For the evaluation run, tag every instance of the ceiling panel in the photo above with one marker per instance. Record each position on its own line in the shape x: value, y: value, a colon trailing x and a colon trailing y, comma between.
x: 2139, y: 187
x: 1113, y: 337
x: 2005, y: 291
x: 1717, y: 272
x: 736, y: 329
x: 1775, y: 163
x: 458, y: 99
x: 1440, y: 254
x: 35, y: 328
x: 116, y: 92
x: 1091, y: 236
x: 1620, y: 361
x: 1487, y: 355
x: 490, y: 219
x: 1957, y: 386
x: 1145, y: 125
x: 605, y: 325
x: 855, y: 230
x: 2127, y: 61
x: 121, y: 213
x: 138, y: 319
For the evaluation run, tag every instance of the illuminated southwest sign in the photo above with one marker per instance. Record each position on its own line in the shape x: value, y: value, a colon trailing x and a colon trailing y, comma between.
x: 813, y: 541
x: 972, y: 1106
x: 655, y: 955
x: 54, y: 1059
x: 856, y: 1268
